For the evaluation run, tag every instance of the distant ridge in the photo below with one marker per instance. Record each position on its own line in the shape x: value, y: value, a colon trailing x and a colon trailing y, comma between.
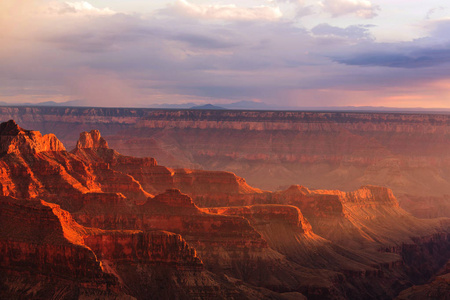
x: 242, y: 105
x: 207, y: 106
x: 46, y: 103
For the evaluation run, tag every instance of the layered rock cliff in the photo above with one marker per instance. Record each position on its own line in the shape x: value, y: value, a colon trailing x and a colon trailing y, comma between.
x: 337, y: 150
x: 155, y: 178
x: 14, y: 139
x: 46, y: 254
x: 367, y: 217
x: 39, y: 259
x: 143, y: 228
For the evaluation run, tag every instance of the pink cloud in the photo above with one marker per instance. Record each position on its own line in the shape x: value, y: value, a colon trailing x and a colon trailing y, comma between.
x: 361, y: 8
x: 228, y: 12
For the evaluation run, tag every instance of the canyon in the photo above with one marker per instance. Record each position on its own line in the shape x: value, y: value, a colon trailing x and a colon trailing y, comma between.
x: 93, y: 223
x: 272, y: 150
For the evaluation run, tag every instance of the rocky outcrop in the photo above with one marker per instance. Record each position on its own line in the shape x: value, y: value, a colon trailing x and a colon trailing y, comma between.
x: 92, y: 140
x: 94, y: 148
x: 14, y: 139
x: 35, y: 166
x: 156, y: 179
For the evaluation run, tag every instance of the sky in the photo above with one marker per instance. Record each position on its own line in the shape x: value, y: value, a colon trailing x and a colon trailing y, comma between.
x: 284, y: 53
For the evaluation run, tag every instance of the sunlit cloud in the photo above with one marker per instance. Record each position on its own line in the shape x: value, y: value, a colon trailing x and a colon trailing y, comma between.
x: 81, y: 7
x: 360, y: 8
x: 227, y: 12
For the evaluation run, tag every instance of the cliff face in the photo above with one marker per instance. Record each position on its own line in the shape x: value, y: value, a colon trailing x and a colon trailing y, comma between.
x: 123, y: 229
x: 35, y: 170
x: 115, y: 226
x: 364, y: 218
x: 33, y: 239
x: 225, y: 243
x: 14, y: 139
x: 287, y: 231
x: 45, y: 253
x: 338, y: 150
x: 426, y: 206
x: 144, y: 247
x: 155, y: 178
x: 361, y: 225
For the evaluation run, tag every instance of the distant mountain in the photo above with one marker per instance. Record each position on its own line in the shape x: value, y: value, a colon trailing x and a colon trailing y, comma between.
x: 246, y: 105
x: 207, y: 106
x: 46, y: 103
x: 250, y: 105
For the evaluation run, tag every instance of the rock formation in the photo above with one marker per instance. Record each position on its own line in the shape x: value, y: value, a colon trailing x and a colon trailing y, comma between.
x: 92, y: 140
x: 330, y: 150
x: 92, y: 223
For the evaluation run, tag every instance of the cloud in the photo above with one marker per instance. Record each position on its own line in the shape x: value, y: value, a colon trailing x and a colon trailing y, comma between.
x: 80, y: 8
x: 227, y: 12
x: 352, y: 31
x: 130, y: 59
x: 435, y: 11
x: 361, y: 8
x: 397, y: 59
x: 431, y: 51
x: 203, y: 41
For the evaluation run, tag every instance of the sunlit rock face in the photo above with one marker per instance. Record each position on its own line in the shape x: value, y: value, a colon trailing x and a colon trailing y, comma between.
x: 94, y: 223
x: 273, y: 150
x: 14, y: 139
x: 92, y: 140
